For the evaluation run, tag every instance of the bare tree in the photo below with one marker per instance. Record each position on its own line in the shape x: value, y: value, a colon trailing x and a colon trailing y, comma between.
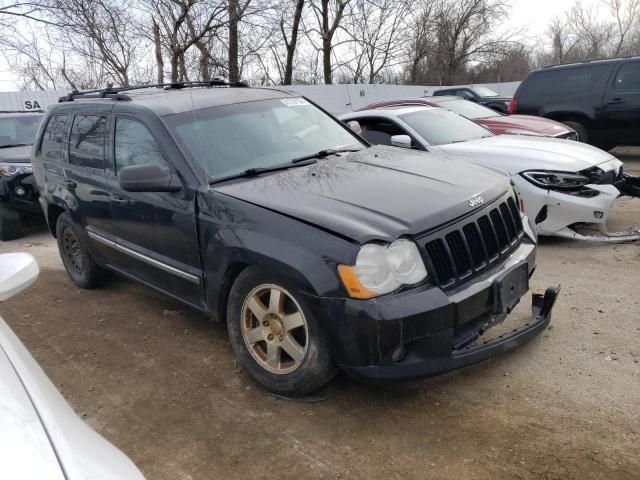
x: 289, y: 21
x: 626, y: 14
x: 377, y: 28
x: 182, y: 24
x: 329, y: 16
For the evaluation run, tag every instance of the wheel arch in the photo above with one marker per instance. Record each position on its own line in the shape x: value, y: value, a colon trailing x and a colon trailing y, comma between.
x: 53, y: 213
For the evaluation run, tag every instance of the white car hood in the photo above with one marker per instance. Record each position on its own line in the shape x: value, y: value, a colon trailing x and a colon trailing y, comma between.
x: 516, y: 154
x: 25, y: 449
x: 29, y: 401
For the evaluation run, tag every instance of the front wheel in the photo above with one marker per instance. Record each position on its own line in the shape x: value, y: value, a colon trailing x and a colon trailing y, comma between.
x: 10, y: 224
x: 275, y: 335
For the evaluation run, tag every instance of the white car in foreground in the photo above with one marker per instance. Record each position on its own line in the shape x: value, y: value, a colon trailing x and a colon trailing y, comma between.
x: 41, y: 438
x: 563, y: 185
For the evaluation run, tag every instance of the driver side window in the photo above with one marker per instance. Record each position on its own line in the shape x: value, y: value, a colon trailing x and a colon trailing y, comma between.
x: 134, y: 145
x: 378, y: 131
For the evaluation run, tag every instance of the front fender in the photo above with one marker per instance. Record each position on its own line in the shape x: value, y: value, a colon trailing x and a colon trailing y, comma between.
x: 233, y: 232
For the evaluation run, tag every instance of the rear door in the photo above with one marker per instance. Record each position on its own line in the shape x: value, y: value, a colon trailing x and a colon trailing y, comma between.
x: 155, y: 231
x: 84, y: 187
x: 621, y: 109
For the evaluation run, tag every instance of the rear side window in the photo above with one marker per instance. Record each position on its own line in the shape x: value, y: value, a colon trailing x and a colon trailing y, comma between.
x: 54, y: 138
x: 564, y: 83
x: 87, y: 141
x: 628, y: 77
x: 134, y: 145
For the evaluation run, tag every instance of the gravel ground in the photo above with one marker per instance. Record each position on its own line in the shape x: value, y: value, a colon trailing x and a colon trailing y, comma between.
x: 160, y: 382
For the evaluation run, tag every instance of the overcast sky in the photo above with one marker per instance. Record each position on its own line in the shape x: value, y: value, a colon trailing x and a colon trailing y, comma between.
x: 530, y: 16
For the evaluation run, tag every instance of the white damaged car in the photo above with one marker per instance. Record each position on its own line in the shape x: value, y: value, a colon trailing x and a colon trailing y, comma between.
x: 566, y: 188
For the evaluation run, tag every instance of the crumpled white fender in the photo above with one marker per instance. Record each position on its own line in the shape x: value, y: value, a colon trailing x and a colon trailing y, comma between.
x: 564, y: 210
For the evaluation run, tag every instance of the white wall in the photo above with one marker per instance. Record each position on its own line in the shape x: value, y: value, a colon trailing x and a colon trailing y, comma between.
x: 28, y: 101
x: 335, y: 98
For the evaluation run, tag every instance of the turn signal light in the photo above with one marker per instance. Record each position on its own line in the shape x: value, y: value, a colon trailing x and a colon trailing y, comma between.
x: 352, y: 284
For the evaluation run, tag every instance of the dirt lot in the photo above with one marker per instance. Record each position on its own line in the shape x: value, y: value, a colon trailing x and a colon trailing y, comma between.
x: 160, y: 382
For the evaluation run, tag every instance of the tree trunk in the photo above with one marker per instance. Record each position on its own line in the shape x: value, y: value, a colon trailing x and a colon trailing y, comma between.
x: 291, y: 47
x: 174, y: 66
x: 234, y: 68
x: 158, y: 51
x: 326, y: 43
x: 326, y: 61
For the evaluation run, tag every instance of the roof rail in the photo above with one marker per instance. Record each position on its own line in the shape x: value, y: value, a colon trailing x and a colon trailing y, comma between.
x: 583, y: 62
x: 117, y: 93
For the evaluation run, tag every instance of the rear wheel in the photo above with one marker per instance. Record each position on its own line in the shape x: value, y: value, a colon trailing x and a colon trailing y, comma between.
x: 76, y: 258
x: 581, y: 130
x: 275, y: 335
x: 10, y: 224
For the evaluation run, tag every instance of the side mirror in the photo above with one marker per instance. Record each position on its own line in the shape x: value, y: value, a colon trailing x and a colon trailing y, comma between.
x: 17, y: 272
x: 402, y: 141
x: 148, y: 178
x: 355, y: 126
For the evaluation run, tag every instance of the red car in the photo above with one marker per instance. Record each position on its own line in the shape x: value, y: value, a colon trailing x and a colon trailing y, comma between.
x: 496, y: 122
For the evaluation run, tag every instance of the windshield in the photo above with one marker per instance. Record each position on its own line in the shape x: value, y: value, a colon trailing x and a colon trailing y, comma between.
x: 485, y: 92
x: 20, y: 129
x: 468, y: 109
x: 440, y: 126
x: 231, y: 139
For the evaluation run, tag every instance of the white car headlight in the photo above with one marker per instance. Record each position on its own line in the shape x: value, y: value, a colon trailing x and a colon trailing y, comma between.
x: 381, y: 269
x: 556, y: 180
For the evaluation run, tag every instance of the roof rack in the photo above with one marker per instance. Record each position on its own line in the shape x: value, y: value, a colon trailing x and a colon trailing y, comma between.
x: 117, y: 93
x: 611, y: 59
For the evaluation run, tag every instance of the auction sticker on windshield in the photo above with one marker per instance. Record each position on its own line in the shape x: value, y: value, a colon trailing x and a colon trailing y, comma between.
x: 294, y: 102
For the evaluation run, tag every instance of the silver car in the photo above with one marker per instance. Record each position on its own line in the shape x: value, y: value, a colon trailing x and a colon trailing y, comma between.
x: 41, y: 438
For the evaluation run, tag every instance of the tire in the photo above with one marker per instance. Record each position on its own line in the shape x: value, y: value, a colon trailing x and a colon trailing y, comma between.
x: 581, y: 130
x: 262, y: 342
x: 10, y: 224
x: 76, y: 258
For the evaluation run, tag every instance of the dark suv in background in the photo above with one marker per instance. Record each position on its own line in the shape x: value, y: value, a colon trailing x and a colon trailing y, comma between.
x: 599, y: 99
x: 260, y: 209
x: 18, y: 195
x: 482, y: 95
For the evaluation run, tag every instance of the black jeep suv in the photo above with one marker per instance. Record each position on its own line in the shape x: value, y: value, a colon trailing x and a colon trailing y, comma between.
x: 17, y: 187
x: 260, y: 209
x: 598, y: 99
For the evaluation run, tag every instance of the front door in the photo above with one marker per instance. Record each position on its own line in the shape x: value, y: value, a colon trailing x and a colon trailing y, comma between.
x: 155, y: 232
x: 620, y: 114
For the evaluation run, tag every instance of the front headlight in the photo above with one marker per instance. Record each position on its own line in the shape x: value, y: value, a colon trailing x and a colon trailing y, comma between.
x: 10, y: 169
x: 381, y: 269
x: 556, y: 180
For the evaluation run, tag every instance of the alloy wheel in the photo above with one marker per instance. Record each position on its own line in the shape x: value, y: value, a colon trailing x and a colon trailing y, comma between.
x: 274, y: 329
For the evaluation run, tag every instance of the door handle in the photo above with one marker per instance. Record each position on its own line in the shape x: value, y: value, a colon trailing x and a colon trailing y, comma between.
x: 70, y: 184
x: 615, y: 101
x: 119, y: 199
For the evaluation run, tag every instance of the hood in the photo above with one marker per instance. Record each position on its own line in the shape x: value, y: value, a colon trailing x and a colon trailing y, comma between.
x: 378, y: 193
x: 524, y: 123
x: 15, y: 154
x: 516, y: 154
x: 24, y: 444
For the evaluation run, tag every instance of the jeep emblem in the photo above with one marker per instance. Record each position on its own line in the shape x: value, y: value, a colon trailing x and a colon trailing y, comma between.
x: 475, y: 201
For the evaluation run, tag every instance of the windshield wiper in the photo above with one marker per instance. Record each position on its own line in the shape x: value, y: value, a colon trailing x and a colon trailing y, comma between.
x: 11, y: 145
x: 252, y: 172
x: 324, y: 153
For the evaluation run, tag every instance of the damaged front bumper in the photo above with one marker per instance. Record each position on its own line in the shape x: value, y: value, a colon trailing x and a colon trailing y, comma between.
x: 427, y: 331
x: 561, y: 213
